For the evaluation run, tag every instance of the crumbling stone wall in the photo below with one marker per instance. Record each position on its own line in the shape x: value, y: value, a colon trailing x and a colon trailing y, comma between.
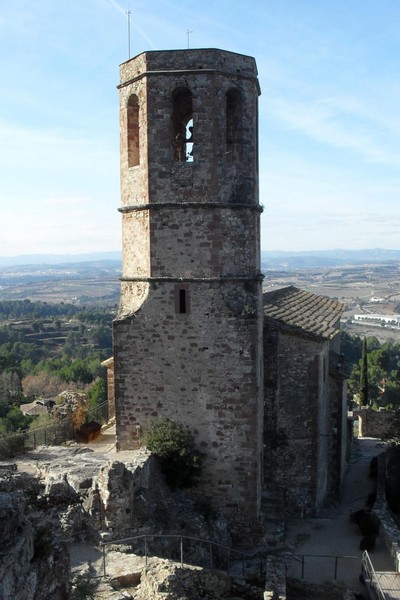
x: 187, y: 341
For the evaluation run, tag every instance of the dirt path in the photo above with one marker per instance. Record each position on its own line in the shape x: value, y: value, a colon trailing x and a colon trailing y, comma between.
x: 334, y: 534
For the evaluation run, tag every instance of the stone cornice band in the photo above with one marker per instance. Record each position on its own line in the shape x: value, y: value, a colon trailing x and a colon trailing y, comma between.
x: 159, y: 206
x: 191, y: 72
x: 256, y: 277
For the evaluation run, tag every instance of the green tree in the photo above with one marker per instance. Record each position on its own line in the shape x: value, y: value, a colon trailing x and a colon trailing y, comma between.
x: 15, y: 420
x: 391, y: 395
x: 174, y: 446
x: 97, y: 393
x: 364, y: 399
x: 350, y: 346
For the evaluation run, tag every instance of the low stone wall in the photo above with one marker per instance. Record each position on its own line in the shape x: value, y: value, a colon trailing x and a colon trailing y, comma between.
x: 388, y: 529
x: 372, y: 423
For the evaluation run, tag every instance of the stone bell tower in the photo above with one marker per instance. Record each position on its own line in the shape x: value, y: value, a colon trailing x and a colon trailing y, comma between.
x: 188, y: 336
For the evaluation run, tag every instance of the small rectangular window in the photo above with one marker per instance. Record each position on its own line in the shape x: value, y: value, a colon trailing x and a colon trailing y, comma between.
x: 182, y: 305
x: 182, y: 301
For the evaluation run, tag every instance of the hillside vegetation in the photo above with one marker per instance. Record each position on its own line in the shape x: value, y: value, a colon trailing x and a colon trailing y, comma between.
x: 47, y: 348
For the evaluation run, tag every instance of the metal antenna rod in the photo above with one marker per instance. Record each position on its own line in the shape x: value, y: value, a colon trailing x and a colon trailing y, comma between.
x: 189, y: 31
x: 128, y: 14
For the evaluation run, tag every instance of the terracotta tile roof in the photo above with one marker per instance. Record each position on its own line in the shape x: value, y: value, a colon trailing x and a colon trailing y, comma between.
x: 307, y: 312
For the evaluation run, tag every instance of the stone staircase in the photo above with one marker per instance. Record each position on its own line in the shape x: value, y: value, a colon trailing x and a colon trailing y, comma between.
x: 272, y: 503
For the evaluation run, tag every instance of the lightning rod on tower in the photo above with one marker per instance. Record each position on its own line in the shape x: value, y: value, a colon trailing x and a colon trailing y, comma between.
x: 128, y: 14
x: 188, y: 32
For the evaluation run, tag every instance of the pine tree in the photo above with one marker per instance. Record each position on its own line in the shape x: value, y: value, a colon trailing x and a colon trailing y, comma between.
x: 364, y: 376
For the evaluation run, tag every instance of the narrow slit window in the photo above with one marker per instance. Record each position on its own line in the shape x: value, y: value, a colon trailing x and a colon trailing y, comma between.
x: 182, y: 301
x: 182, y: 121
x: 133, y: 131
x: 233, y: 125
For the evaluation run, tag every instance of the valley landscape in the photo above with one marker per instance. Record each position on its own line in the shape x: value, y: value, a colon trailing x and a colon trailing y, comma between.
x: 367, y: 282
x: 365, y: 289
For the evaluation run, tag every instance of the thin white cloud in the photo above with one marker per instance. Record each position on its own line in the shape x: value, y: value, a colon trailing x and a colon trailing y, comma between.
x: 322, y: 122
x: 64, y: 201
x: 65, y: 224
x: 133, y: 22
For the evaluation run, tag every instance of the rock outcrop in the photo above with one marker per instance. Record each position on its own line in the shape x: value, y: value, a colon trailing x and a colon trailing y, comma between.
x: 73, y: 406
x: 34, y: 562
x: 127, y: 496
x: 75, y: 495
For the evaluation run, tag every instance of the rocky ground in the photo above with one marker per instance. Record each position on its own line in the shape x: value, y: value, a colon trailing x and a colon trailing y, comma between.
x: 123, y: 494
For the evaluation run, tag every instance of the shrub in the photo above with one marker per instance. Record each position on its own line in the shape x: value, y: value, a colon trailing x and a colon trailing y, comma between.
x: 11, y: 444
x: 84, y: 587
x: 174, y: 446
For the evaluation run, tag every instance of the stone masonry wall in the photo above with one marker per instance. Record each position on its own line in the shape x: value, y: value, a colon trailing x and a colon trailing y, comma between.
x: 197, y: 369
x: 372, y: 423
x: 296, y: 418
x: 338, y: 444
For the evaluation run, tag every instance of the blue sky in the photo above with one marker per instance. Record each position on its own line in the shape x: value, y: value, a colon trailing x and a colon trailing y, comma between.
x: 329, y: 115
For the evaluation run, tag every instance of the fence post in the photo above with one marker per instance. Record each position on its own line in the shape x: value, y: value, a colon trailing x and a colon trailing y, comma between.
x: 302, y: 566
x: 336, y: 565
x: 181, y: 552
x: 145, y: 550
x: 104, y: 561
x: 34, y: 440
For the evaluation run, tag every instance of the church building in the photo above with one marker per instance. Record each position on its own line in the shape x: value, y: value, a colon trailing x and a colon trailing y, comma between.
x: 189, y: 337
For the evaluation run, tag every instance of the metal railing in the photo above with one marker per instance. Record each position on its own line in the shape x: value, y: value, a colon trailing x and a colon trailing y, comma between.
x: 223, y: 557
x: 301, y: 559
x: 214, y: 561
x: 52, y: 434
x: 370, y: 578
x: 55, y: 433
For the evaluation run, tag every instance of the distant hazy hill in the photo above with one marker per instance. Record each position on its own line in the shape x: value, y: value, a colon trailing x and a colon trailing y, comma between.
x: 326, y: 258
x: 57, y: 259
x: 269, y: 260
